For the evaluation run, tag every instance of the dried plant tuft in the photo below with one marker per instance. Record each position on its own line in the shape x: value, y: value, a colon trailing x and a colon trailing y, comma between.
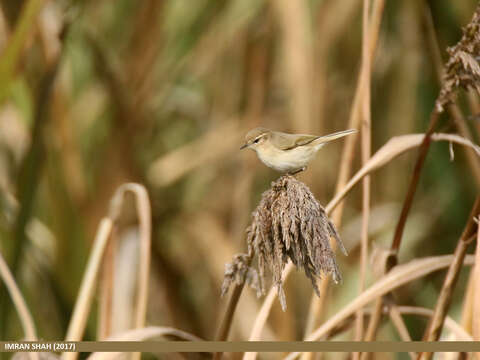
x: 240, y: 271
x: 289, y: 223
x: 462, y: 68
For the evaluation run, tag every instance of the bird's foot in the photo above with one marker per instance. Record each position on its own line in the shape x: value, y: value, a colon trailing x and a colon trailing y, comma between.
x: 297, y: 171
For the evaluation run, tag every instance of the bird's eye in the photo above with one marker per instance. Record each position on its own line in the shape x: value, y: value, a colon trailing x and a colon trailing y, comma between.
x: 256, y: 140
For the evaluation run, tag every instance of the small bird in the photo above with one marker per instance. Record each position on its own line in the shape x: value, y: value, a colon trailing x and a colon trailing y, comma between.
x: 288, y: 153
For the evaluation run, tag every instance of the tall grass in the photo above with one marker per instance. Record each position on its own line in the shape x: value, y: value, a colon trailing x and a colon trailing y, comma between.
x: 103, y: 100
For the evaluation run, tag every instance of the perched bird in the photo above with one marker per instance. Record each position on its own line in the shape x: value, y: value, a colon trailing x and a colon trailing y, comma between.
x: 288, y: 153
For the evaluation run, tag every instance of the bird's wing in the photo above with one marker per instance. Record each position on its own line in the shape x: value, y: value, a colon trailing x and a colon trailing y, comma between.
x: 289, y: 141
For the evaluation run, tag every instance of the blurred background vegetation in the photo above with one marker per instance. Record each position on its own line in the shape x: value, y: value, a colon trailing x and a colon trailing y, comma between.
x: 94, y: 94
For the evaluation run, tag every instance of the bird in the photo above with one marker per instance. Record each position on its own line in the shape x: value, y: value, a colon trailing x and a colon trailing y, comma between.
x: 287, y: 153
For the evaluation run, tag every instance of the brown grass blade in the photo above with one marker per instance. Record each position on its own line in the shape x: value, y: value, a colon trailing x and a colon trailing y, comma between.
x: 396, y: 278
x: 412, y: 187
x: 105, y: 301
x: 467, y: 307
x: 454, y: 327
x: 23, y: 312
x: 145, y: 226
x: 81, y: 310
x: 87, y: 288
x: 393, y: 148
x: 366, y: 153
x: 434, y: 329
x: 397, y: 320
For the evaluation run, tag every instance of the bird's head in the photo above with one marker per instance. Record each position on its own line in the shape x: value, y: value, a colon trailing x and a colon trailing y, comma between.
x: 256, y: 138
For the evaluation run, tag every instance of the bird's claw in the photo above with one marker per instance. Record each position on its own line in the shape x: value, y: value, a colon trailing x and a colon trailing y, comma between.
x: 297, y: 171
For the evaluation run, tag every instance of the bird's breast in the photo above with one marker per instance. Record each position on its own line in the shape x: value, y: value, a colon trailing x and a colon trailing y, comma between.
x: 286, y: 160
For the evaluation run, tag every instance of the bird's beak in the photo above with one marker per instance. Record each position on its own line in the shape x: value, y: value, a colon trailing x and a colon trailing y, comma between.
x: 243, y: 146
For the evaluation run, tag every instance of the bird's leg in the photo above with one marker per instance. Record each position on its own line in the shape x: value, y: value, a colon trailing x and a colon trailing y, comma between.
x: 297, y: 171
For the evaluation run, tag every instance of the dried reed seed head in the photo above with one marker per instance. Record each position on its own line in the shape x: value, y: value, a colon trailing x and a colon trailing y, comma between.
x: 240, y: 271
x: 289, y: 223
x: 462, y: 68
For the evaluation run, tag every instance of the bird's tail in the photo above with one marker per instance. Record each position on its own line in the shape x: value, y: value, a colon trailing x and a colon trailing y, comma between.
x: 327, y: 138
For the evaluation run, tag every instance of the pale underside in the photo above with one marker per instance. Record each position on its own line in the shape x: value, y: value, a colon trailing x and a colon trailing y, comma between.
x: 287, y: 160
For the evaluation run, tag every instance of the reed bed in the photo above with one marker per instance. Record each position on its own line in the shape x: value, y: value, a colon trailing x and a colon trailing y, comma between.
x: 127, y: 211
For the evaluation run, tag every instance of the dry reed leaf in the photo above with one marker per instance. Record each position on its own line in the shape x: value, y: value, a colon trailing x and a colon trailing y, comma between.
x: 23, y: 312
x: 380, y: 259
x: 142, y: 203
x: 366, y: 149
x: 467, y: 307
x: 143, y: 334
x: 78, y: 321
x: 382, y: 218
x: 399, y: 276
x: 399, y: 324
x: 435, y: 325
x: 213, y: 146
x: 87, y: 287
x: 420, y: 224
x: 393, y: 148
x: 106, y: 289
x: 119, y: 286
x: 145, y: 229
x: 456, y: 330
x: 454, y: 327
x: 395, y: 316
